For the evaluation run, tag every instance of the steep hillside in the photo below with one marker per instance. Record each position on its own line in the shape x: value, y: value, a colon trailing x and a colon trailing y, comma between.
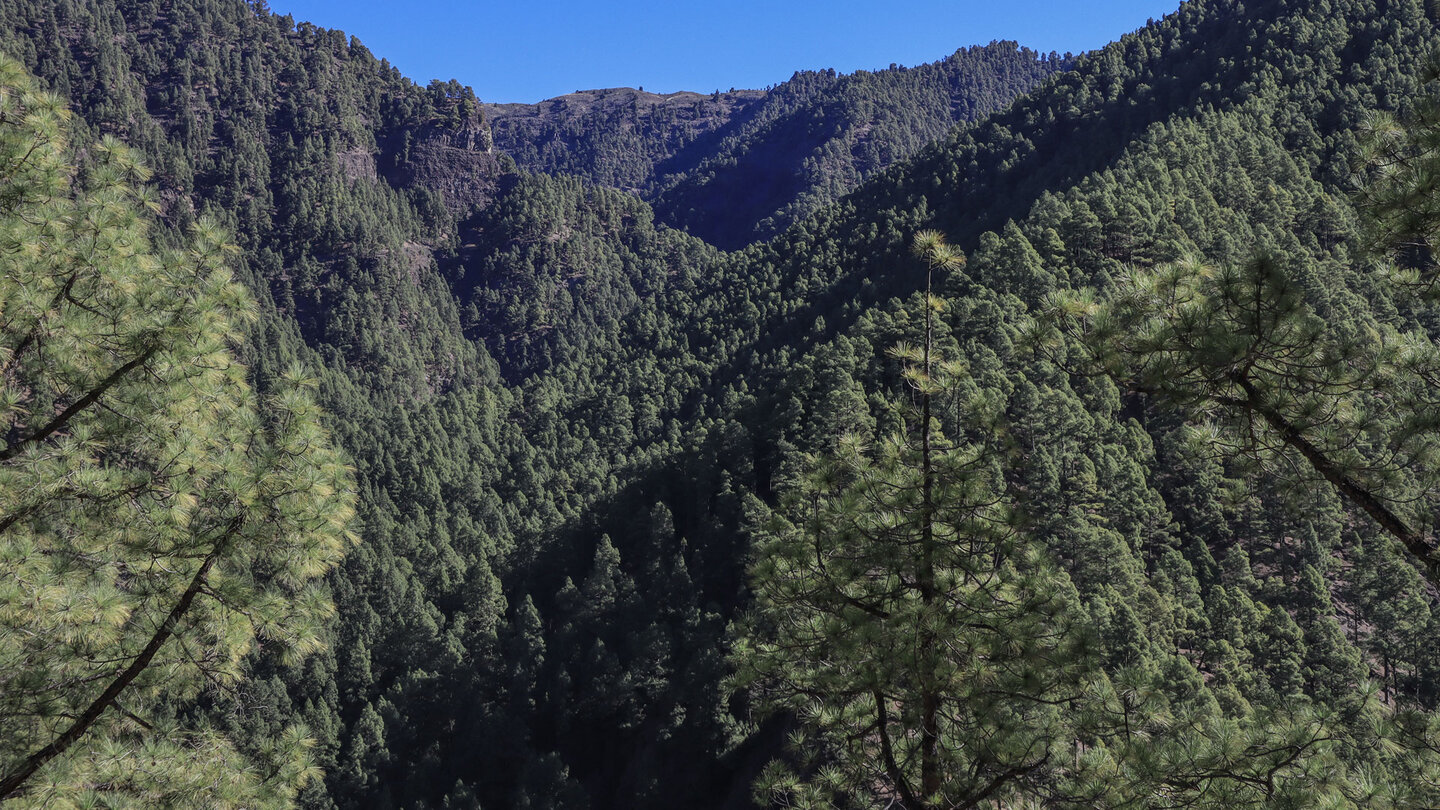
x: 555, y: 538
x: 739, y: 166
x: 818, y: 136
x: 1213, y: 131
x: 551, y: 270
x: 308, y: 148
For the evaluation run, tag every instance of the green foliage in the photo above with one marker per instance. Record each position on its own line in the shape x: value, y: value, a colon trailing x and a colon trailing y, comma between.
x: 925, y: 646
x: 1240, y: 350
x: 160, y: 520
x: 553, y: 539
x: 1397, y: 166
x: 901, y: 598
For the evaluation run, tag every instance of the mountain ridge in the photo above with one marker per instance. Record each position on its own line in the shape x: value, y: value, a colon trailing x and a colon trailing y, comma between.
x: 780, y: 153
x: 567, y: 418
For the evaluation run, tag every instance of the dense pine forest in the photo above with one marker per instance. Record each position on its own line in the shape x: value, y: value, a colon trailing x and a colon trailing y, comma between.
x: 1016, y: 430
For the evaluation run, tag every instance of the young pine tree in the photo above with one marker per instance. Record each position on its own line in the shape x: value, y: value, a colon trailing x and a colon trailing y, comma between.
x: 922, y: 641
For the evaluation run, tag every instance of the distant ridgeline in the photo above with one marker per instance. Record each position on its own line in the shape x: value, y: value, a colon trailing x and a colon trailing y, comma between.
x: 744, y: 165
x: 571, y: 413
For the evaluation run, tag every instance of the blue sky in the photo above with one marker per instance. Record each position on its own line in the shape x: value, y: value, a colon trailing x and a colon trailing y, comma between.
x: 528, y: 51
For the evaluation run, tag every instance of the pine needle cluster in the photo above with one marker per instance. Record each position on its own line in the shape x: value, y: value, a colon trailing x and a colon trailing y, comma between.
x: 159, y: 519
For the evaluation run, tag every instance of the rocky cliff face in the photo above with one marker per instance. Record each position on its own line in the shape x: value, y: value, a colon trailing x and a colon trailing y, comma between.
x: 619, y: 137
x: 456, y: 161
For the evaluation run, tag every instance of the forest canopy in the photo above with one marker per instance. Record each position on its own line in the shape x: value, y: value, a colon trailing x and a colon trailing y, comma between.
x: 591, y: 455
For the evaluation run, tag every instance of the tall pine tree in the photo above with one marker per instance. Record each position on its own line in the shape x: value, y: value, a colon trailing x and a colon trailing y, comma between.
x: 924, y: 644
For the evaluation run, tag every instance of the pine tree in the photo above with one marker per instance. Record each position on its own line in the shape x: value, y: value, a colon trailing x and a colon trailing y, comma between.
x: 924, y: 644
x: 158, y: 519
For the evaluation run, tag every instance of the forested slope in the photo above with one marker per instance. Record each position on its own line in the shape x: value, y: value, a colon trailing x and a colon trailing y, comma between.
x: 567, y: 422
x: 616, y: 137
x: 286, y: 136
x: 1137, y: 157
x: 740, y: 166
x: 816, y: 137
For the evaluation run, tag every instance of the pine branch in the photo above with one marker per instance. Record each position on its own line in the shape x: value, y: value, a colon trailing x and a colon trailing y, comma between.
x: 12, y: 784
x: 1351, y: 489
x: 1002, y: 780
x: 76, y: 407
